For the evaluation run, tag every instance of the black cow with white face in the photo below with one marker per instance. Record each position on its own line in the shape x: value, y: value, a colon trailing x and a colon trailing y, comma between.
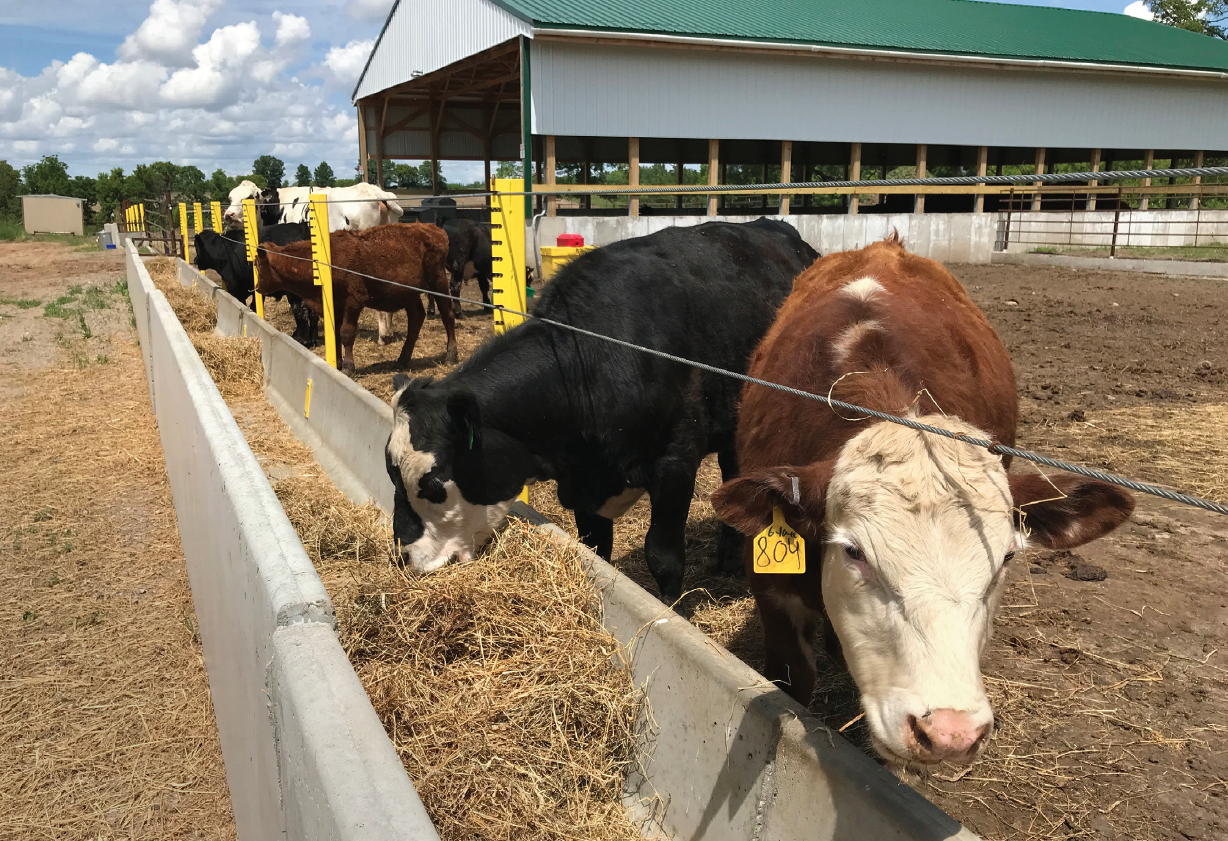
x: 226, y: 254
x: 468, y: 242
x: 607, y: 423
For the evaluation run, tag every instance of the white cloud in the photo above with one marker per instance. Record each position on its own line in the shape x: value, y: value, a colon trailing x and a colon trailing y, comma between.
x: 291, y: 29
x: 105, y: 144
x: 169, y: 32
x: 1138, y: 9
x: 370, y: 11
x: 346, y: 63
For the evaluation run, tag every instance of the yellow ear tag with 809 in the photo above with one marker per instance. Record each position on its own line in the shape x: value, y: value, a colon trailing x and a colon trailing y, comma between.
x: 779, y: 549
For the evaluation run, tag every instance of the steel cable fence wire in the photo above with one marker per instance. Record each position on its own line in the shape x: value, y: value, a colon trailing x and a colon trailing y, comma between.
x: 984, y: 443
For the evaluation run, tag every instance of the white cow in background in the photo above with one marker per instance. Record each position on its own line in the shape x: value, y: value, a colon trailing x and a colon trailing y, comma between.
x: 353, y: 208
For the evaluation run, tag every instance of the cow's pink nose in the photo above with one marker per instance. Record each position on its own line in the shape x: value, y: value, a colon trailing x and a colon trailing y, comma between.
x: 946, y: 735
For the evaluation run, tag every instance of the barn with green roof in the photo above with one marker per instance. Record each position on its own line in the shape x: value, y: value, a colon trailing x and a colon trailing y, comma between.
x: 785, y: 90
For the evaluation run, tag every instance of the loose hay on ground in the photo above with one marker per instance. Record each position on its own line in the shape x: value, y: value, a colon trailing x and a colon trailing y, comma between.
x: 196, y: 313
x: 507, y: 701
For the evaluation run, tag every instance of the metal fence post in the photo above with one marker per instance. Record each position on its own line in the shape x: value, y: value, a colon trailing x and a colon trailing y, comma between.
x: 215, y: 216
x: 183, y: 230
x: 1116, y: 223
x: 198, y: 217
x: 252, y: 238
x: 508, y: 255
x: 322, y: 269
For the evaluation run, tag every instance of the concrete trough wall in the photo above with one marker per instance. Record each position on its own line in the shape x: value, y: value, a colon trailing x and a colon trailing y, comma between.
x: 306, y: 756
x: 730, y: 757
x: 948, y: 237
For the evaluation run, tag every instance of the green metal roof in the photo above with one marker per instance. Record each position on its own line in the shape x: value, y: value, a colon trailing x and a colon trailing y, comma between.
x: 963, y: 27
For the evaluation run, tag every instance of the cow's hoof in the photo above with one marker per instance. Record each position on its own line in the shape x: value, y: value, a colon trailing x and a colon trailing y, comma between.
x: 452, y: 356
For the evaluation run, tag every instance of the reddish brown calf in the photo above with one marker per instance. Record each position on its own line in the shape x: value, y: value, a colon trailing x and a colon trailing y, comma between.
x: 407, y: 255
x: 907, y: 534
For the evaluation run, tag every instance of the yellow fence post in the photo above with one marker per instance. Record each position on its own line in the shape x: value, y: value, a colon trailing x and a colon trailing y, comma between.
x: 507, y: 253
x: 322, y: 269
x: 198, y: 217
x: 140, y: 216
x: 215, y: 215
x: 183, y: 229
x: 252, y: 236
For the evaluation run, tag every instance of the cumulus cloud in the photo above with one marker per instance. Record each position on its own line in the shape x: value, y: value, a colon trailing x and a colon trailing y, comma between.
x: 369, y: 10
x: 218, y: 73
x: 346, y: 63
x: 291, y: 29
x: 1138, y: 9
x: 168, y: 34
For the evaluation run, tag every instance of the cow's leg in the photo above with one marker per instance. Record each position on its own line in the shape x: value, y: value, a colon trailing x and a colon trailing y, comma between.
x: 384, y: 322
x: 484, y: 286
x: 596, y: 532
x: 347, y: 331
x: 415, y: 314
x: 787, y: 648
x: 448, y: 313
x: 673, y: 485
x: 454, y: 286
x: 729, y: 545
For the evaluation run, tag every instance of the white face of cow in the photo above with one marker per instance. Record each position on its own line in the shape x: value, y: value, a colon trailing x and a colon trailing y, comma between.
x: 433, y: 523
x: 920, y: 532
x: 233, y: 216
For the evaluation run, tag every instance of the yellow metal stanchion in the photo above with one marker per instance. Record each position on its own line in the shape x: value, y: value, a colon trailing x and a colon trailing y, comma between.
x: 215, y: 215
x: 140, y: 216
x: 322, y: 269
x: 507, y: 252
x: 252, y: 236
x: 183, y: 229
x: 198, y: 217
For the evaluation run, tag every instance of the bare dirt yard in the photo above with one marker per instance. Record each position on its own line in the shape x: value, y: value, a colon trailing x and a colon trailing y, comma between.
x: 105, y: 719
x: 1109, y: 667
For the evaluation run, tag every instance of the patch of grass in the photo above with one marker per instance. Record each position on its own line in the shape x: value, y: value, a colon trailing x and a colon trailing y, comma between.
x: 95, y: 298
x: 102, y: 359
x: 11, y: 229
x: 20, y: 303
x: 85, y: 328
x: 120, y: 287
x: 1044, y: 250
x: 75, y: 290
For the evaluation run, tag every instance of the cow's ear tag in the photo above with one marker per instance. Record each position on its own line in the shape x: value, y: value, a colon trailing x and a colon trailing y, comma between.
x: 779, y: 549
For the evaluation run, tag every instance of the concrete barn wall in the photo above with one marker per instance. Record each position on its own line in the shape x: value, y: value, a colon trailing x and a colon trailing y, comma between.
x: 732, y: 756
x: 306, y: 756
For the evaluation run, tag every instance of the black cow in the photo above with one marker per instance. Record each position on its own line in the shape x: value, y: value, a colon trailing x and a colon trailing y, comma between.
x: 467, y: 242
x: 605, y: 422
x: 226, y: 254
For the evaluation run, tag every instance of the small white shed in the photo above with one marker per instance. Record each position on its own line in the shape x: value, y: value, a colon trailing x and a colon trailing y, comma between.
x: 49, y: 214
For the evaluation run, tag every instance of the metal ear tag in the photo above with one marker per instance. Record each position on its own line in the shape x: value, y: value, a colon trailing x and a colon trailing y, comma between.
x: 797, y: 496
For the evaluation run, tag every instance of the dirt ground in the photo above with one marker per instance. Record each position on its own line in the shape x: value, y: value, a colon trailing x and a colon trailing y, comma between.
x: 105, y: 718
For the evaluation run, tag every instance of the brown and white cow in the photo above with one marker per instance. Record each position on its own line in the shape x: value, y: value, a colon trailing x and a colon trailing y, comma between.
x: 908, y: 534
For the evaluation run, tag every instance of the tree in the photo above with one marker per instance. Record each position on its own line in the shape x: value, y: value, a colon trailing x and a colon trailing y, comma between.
x: 1209, y: 17
x: 190, y: 184
x: 256, y: 178
x: 302, y: 176
x: 10, y: 189
x: 324, y: 176
x: 220, y: 184
x: 509, y: 169
x: 84, y: 187
x: 48, y: 176
x: 272, y: 169
x: 109, y: 188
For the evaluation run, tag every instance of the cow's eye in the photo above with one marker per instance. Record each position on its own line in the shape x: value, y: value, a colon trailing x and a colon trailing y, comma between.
x: 854, y: 554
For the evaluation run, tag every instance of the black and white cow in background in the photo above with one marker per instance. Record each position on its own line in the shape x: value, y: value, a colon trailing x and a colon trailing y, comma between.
x: 226, y: 254
x: 468, y: 242
x: 607, y: 423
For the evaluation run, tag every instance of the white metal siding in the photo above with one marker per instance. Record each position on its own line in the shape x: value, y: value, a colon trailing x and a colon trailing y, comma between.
x: 592, y: 90
x: 425, y: 35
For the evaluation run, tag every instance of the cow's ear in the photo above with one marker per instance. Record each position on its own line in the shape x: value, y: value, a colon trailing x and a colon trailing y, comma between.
x: 746, y: 502
x: 1063, y: 510
x: 465, y: 420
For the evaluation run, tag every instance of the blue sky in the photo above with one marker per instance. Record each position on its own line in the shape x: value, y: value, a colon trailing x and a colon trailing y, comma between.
x: 213, y: 83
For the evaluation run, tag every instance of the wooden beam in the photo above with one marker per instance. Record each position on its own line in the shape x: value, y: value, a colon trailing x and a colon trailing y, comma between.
x: 1149, y: 160
x: 1198, y: 159
x: 1040, y: 169
x: 786, y: 172
x: 482, y: 85
x: 551, y: 173
x: 922, y: 151
x: 854, y: 173
x: 436, y: 119
x: 1091, y: 198
x: 982, y: 166
x: 362, y: 141
x: 714, y: 164
x: 404, y: 121
x: 379, y: 146
x: 633, y: 174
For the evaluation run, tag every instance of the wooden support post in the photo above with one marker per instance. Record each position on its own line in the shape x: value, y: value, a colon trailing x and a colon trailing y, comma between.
x: 1149, y: 161
x: 1091, y: 197
x: 633, y: 174
x: 982, y: 166
x: 436, y: 120
x: 379, y: 146
x: 1040, y: 168
x: 855, y: 174
x: 678, y: 198
x: 552, y: 202
x: 322, y: 270
x: 922, y: 149
x: 786, y: 172
x: 714, y: 163
x: 362, y: 142
x: 1198, y: 160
